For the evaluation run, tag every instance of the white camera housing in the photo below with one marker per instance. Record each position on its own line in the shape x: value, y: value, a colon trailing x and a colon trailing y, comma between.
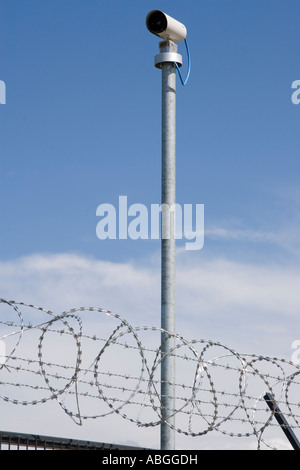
x: 165, y: 27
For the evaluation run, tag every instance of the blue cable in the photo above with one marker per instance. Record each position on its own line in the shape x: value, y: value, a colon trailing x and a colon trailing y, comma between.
x: 184, y: 82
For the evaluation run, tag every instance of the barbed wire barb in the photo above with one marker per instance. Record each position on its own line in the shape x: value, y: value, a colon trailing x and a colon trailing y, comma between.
x: 116, y: 370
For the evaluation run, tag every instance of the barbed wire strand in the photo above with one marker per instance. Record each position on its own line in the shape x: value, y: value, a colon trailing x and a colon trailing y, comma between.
x: 201, y: 405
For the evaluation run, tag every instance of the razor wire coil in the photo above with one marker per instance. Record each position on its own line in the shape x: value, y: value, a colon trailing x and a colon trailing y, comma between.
x: 224, y: 392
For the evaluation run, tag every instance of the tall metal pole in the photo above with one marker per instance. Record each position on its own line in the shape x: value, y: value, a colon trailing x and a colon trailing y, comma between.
x: 168, y: 256
x: 165, y: 60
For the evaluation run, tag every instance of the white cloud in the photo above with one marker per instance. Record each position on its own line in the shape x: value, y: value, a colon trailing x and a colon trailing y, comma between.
x: 215, y: 298
x: 226, y: 284
x: 251, y: 308
x: 63, y: 281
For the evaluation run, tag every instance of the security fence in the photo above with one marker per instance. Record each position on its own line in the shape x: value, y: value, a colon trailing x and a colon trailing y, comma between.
x: 93, y: 364
x: 18, y: 441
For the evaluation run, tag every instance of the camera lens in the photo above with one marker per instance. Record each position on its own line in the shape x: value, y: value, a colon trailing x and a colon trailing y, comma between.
x: 157, y: 22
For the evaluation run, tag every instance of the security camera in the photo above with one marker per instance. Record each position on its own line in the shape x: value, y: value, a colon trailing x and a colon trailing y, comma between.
x: 165, y: 27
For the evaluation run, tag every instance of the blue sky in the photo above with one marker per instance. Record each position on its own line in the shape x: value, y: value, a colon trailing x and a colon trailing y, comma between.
x: 82, y: 120
x: 81, y: 127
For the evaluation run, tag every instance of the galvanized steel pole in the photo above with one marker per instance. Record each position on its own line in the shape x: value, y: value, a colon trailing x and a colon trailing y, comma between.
x: 168, y: 256
x: 172, y: 31
x: 165, y: 60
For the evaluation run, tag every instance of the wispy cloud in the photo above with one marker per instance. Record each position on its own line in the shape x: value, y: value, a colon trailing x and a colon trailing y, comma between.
x: 241, y: 235
x: 283, y: 241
